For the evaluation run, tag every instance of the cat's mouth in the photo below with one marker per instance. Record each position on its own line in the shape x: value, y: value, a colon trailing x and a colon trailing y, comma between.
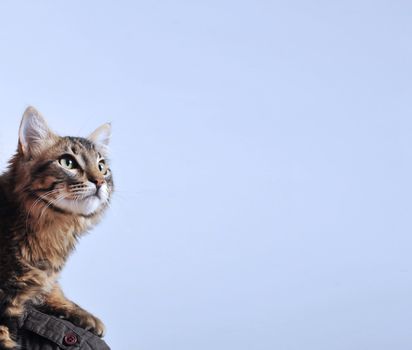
x: 94, y: 195
x: 85, y: 205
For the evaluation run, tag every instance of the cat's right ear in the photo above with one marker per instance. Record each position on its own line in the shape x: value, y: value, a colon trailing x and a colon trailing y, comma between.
x: 34, y: 134
x: 101, y: 136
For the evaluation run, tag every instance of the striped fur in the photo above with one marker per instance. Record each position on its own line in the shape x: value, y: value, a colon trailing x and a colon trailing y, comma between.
x: 45, y: 207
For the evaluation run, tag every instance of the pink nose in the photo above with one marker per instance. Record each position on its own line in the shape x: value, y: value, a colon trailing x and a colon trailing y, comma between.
x: 98, y: 182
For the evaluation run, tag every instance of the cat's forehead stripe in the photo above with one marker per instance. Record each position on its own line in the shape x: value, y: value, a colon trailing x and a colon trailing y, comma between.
x: 77, y: 145
x: 81, y: 142
x: 86, y: 159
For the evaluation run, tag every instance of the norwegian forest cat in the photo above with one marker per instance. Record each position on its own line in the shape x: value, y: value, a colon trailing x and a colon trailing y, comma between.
x: 55, y: 189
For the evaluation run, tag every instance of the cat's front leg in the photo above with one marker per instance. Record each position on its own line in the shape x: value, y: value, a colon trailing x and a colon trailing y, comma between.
x: 57, y: 304
x: 11, y: 310
x: 6, y: 341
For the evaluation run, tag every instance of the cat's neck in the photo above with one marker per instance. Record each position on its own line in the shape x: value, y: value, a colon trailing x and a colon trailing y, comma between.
x: 50, y: 235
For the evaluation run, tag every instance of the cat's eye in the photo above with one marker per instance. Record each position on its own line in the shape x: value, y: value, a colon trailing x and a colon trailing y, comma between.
x: 102, y: 167
x: 68, y: 162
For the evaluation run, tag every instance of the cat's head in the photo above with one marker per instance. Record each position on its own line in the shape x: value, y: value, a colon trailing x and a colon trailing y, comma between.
x: 67, y: 174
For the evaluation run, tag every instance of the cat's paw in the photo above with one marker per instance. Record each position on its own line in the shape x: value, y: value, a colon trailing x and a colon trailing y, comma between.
x: 6, y: 343
x: 86, y: 320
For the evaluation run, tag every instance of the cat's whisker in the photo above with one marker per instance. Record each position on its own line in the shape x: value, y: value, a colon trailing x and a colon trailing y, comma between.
x: 52, y: 203
x: 38, y: 201
x: 81, y: 195
x: 83, y: 190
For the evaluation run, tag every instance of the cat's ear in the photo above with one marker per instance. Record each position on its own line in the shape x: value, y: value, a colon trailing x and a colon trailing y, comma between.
x: 101, y: 136
x: 34, y: 134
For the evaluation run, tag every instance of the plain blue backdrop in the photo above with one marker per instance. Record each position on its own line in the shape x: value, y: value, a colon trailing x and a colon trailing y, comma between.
x: 262, y: 153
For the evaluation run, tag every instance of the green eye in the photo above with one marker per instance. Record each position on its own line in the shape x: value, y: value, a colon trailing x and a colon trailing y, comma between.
x: 68, y: 162
x: 102, y: 167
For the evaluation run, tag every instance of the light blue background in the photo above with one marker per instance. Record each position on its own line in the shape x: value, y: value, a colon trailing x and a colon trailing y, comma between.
x: 262, y: 153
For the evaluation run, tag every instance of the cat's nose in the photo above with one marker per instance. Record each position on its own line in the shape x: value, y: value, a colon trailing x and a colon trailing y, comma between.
x: 98, y: 182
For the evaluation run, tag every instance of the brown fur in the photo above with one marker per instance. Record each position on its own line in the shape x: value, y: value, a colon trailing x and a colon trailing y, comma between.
x: 37, y: 230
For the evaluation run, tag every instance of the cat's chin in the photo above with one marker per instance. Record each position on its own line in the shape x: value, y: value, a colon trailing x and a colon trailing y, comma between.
x: 86, y: 207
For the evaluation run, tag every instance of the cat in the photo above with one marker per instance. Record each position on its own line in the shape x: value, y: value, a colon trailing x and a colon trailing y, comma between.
x: 54, y: 190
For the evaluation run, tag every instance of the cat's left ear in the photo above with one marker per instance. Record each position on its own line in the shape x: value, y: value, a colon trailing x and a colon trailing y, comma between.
x: 34, y: 134
x: 101, y: 136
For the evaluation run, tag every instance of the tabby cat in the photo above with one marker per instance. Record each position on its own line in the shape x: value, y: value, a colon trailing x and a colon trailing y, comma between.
x: 54, y: 190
